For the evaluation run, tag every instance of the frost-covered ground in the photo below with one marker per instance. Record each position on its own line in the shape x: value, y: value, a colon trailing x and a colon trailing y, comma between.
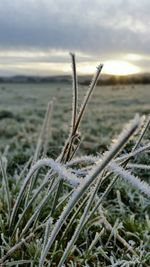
x: 126, y: 211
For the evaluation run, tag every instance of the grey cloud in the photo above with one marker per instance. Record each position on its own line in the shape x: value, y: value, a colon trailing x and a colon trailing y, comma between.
x: 97, y: 30
x: 96, y: 27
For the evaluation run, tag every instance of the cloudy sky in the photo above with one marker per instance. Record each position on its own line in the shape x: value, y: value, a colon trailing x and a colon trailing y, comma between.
x: 37, y: 35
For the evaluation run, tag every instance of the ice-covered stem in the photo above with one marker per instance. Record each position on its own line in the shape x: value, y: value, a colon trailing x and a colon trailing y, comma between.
x: 6, y: 186
x: 56, y: 167
x: 110, y: 228
x: 133, y: 153
x: 42, y: 133
x: 72, y: 220
x: 47, y: 128
x: 130, y: 178
x: 113, y: 181
x: 47, y: 231
x: 46, y: 181
x: 92, y: 159
x: 138, y: 166
x: 26, y: 168
x: 37, y: 212
x: 87, y: 97
x: 42, y: 142
x: 142, y: 133
x: 81, y: 189
x: 16, y: 247
x: 75, y: 91
x: 83, y: 159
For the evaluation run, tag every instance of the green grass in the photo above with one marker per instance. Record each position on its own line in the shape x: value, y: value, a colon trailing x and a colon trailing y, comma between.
x: 126, y: 210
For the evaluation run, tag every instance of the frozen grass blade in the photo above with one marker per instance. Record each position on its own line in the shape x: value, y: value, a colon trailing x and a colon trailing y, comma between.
x: 18, y: 263
x: 47, y: 232
x: 92, y: 159
x: 83, y: 159
x: 138, y: 166
x: 65, y: 154
x: 109, y: 228
x: 56, y: 167
x: 134, y: 153
x: 47, y: 128
x: 95, y: 240
x: 74, y: 216
x: 22, y: 190
x: 24, y: 169
x: 135, y: 181
x: 105, y: 193
x: 43, y: 185
x: 42, y: 133
x: 126, y: 158
x: 42, y: 141
x: 6, y: 186
x: 75, y: 91
x: 145, y: 128
x: 38, y: 210
x: 64, y: 199
x: 87, y: 97
x: 64, y: 174
x: 16, y: 247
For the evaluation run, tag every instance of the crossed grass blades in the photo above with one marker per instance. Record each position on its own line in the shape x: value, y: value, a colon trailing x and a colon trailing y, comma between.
x: 54, y: 204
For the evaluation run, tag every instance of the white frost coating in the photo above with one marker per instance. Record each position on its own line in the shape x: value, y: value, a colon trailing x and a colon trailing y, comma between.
x: 57, y: 167
x: 135, y: 122
x: 138, y: 166
x: 93, y: 159
x: 84, y: 159
x: 61, y: 170
x: 134, y: 153
x: 135, y: 181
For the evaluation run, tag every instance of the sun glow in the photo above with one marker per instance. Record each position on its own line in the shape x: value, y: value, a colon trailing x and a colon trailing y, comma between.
x: 116, y: 67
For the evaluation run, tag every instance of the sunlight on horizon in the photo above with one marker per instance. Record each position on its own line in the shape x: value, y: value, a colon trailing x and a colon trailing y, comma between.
x: 43, y: 63
x: 111, y: 67
x: 118, y: 67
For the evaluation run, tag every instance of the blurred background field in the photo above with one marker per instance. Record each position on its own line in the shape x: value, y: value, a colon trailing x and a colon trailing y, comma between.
x: 22, y: 109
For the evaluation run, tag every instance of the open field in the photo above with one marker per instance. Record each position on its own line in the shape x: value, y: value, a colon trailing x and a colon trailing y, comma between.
x: 22, y: 109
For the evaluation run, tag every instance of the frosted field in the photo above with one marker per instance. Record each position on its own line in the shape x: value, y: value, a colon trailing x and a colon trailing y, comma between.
x: 118, y: 233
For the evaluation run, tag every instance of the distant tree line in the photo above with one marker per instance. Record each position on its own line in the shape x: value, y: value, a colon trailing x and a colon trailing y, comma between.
x: 104, y: 80
x: 116, y: 80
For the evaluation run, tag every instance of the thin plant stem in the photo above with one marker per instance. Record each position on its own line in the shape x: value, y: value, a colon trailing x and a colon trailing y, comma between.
x: 74, y: 216
x: 6, y: 187
x: 75, y: 90
x: 40, y: 143
x: 47, y: 128
x: 86, y: 99
x: 142, y: 133
x: 16, y: 247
